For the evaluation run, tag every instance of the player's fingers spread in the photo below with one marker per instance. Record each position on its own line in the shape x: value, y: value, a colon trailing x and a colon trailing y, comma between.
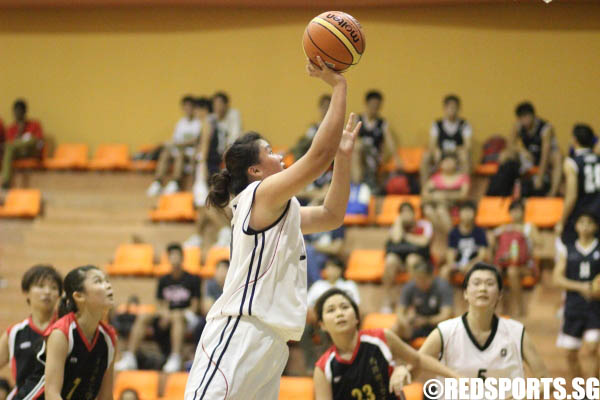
x: 357, y: 127
x: 350, y: 122
x: 321, y: 63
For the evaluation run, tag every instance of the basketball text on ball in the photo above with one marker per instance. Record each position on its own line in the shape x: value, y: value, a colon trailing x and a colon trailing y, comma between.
x: 329, y: 26
x: 345, y: 25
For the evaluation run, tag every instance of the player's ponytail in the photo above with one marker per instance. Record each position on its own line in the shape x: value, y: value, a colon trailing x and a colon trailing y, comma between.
x: 73, y: 283
x: 241, y: 155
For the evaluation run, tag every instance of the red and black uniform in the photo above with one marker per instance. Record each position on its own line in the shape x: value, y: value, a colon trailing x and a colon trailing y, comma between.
x: 85, y: 364
x: 24, y: 340
x: 366, y: 375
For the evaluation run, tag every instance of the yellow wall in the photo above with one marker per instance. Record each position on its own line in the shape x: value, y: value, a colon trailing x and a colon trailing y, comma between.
x: 116, y: 75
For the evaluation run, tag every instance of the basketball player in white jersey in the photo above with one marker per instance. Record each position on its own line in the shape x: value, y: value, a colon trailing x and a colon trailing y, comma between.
x: 243, y: 350
x: 479, y: 344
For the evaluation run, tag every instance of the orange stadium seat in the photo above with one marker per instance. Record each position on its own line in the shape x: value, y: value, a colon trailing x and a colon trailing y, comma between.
x: 487, y: 169
x: 144, y: 165
x: 365, y: 265
x: 379, y: 321
x: 174, y: 207
x: 145, y: 383
x: 68, y: 156
x: 390, y: 208
x: 135, y: 309
x: 33, y: 162
x: 175, y: 386
x: 492, y: 212
x: 544, y: 212
x: 361, y: 219
x: 414, y: 391
x: 214, y: 255
x: 296, y: 388
x: 132, y: 259
x: 110, y: 157
x: 21, y: 203
x: 191, y: 262
x: 411, y: 160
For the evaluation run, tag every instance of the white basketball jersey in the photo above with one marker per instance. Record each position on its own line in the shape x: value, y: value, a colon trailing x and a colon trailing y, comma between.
x: 500, y: 357
x: 267, y: 271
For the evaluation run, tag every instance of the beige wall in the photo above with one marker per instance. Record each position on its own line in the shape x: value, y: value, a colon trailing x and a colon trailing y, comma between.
x: 116, y: 75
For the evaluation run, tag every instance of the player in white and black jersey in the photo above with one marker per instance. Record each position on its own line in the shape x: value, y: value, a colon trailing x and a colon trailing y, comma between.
x: 42, y: 287
x: 243, y: 348
x: 479, y: 343
x: 578, y: 263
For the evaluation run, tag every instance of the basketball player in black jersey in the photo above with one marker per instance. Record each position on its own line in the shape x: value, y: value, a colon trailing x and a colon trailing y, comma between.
x: 449, y: 135
x: 582, y: 175
x: 42, y: 287
x: 77, y: 357
x: 374, y: 140
x: 537, y: 142
x: 577, y: 266
x: 360, y: 363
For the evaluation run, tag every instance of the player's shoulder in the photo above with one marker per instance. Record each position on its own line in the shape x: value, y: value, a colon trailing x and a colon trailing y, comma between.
x: 110, y: 331
x: 325, y: 358
x: 510, y: 324
x: 367, y: 334
x: 63, y: 324
x: 17, y: 326
x: 448, y: 326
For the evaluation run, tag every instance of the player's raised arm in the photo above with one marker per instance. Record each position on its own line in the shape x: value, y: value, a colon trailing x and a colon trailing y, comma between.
x: 274, y: 192
x: 330, y: 215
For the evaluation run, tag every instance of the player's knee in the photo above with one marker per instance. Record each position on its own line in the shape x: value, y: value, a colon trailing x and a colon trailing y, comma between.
x: 589, y: 349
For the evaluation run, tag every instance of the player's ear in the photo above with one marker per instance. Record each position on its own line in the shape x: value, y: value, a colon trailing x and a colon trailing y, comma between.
x: 78, y: 296
x: 254, y: 172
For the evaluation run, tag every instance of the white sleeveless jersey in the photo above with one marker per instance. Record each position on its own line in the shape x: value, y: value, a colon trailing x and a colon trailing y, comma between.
x: 500, y: 357
x: 267, y: 271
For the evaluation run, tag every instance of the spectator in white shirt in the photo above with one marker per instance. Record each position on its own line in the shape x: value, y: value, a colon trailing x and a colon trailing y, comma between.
x: 229, y: 122
x: 182, y: 146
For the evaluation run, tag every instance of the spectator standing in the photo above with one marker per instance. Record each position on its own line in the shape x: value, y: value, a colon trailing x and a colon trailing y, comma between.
x: 536, y: 140
x: 449, y: 135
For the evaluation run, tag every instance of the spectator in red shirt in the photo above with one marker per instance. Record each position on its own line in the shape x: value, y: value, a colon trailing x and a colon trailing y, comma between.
x: 24, y: 138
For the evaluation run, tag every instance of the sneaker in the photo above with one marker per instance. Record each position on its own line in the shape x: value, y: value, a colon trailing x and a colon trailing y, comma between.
x: 193, y: 241
x: 172, y: 187
x: 173, y: 363
x: 154, y: 189
x: 127, y: 362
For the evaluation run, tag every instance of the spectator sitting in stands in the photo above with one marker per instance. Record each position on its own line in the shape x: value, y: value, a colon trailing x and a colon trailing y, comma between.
x: 502, y: 183
x: 4, y: 389
x: 538, y: 147
x: 178, y: 295
x: 205, y: 165
x: 446, y: 188
x: 229, y: 124
x: 425, y: 301
x: 467, y: 243
x: 320, y: 246
x: 375, y: 139
x: 408, y: 243
x: 182, y: 145
x: 333, y: 276
x: 451, y: 134
x: 305, y: 141
x: 512, y: 246
x: 24, y: 138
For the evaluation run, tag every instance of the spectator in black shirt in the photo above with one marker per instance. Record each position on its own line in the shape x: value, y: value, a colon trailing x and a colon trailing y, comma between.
x: 178, y: 296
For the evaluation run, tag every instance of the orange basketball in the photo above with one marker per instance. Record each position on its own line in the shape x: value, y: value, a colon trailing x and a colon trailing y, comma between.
x: 335, y: 36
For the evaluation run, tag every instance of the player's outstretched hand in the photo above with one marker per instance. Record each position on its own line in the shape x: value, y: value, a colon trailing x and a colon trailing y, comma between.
x: 349, y: 136
x: 323, y: 72
x: 400, y: 377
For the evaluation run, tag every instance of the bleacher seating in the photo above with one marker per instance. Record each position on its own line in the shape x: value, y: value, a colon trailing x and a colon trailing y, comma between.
x: 296, y: 388
x: 544, y: 212
x: 176, y: 207
x: 21, y: 203
x: 68, y: 156
x: 191, y: 262
x: 361, y: 219
x: 390, y: 208
x: 144, y: 383
x: 132, y: 259
x: 175, y: 386
x: 379, y: 321
x: 110, y: 157
x: 214, y: 256
x: 493, y: 212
